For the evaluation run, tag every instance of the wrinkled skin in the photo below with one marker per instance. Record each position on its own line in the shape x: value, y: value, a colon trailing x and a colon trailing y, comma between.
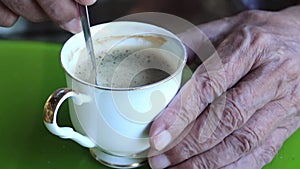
x: 63, y: 12
x: 240, y: 105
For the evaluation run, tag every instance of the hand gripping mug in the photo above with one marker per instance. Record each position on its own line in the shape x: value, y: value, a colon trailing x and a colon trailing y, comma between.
x: 139, y: 70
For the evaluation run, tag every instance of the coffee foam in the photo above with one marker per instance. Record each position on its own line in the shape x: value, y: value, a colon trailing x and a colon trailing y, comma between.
x: 120, y: 58
x: 137, y: 69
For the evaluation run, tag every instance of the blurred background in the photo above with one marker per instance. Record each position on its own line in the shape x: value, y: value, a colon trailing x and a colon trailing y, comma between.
x: 195, y: 11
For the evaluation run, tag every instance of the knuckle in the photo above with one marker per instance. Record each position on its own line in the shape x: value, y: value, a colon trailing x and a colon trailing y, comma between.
x: 191, y: 104
x: 30, y: 11
x: 187, y: 113
x: 202, y: 163
x: 267, y: 155
x: 244, y: 141
x: 189, y: 148
x: 256, y: 35
x: 9, y: 20
x: 181, y: 152
x: 228, y: 122
x: 253, y: 15
x: 61, y: 13
x: 18, y: 6
x: 288, y: 76
x: 203, y: 84
x: 291, y: 68
x: 54, y: 9
x: 226, y: 19
x: 37, y: 18
x: 289, y: 62
x: 233, y: 114
x: 197, y: 162
x: 209, y: 84
x: 256, y: 42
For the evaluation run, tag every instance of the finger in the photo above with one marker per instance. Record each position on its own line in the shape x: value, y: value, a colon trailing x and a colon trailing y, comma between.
x: 241, y: 52
x: 86, y: 2
x: 202, y: 40
x: 233, y: 147
x: 8, y: 18
x: 218, y: 30
x: 64, y: 13
x: 215, y: 32
x: 29, y: 9
x: 265, y: 153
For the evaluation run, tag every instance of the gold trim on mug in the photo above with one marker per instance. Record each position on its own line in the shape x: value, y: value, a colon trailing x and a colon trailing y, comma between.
x: 52, y: 103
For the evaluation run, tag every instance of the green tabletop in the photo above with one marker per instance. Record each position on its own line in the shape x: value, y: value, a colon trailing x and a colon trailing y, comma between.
x: 29, y: 72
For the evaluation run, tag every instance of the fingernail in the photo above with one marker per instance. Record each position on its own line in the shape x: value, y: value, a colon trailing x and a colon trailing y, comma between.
x: 160, y: 161
x: 162, y: 140
x: 89, y: 2
x: 93, y: 1
x: 73, y: 26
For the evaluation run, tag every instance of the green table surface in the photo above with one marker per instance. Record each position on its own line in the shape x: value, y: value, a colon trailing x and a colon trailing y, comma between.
x: 30, y: 72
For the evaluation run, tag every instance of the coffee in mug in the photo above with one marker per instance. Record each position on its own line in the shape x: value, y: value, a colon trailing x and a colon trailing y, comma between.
x: 125, y: 66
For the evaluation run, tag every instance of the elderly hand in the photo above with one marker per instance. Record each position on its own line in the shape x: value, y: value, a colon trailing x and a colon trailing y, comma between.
x: 240, y: 105
x: 63, y: 12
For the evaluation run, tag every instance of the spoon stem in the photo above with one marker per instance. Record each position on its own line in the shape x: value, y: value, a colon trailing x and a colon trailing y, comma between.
x: 85, y: 22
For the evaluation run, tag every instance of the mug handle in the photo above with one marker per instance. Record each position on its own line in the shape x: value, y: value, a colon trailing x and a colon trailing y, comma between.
x: 51, y: 108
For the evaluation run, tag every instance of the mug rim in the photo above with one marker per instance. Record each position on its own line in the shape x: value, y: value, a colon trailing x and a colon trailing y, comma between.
x: 171, y: 76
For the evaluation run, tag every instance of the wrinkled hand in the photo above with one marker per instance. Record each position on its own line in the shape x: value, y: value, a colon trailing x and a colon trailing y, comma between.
x: 63, y: 12
x: 242, y: 103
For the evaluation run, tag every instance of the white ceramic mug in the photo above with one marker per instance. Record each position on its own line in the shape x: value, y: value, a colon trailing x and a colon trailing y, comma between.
x: 114, y: 122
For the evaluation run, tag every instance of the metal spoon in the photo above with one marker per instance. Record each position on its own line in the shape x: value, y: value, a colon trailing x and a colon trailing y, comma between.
x: 85, y: 22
